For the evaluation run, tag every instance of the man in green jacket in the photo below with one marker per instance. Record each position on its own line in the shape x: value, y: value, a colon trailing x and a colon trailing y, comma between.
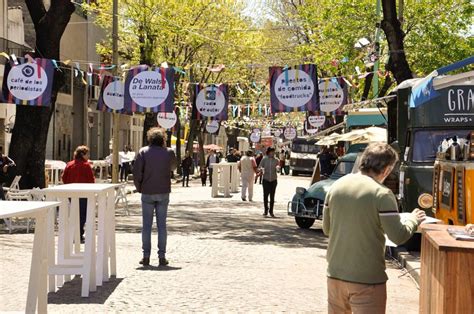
x: 358, y: 211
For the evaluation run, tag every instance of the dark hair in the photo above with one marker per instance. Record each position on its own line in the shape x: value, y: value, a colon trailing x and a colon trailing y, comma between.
x: 80, y: 152
x: 377, y: 157
x: 249, y: 153
x: 156, y: 137
x: 270, y: 150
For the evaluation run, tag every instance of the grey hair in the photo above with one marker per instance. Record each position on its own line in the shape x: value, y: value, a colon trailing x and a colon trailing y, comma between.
x: 377, y: 157
x: 156, y: 136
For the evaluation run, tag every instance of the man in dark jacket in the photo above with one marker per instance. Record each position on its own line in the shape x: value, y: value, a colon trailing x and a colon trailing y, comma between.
x: 152, y: 177
x: 186, y: 166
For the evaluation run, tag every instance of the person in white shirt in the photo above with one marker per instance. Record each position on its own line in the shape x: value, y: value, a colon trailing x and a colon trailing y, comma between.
x: 247, y: 167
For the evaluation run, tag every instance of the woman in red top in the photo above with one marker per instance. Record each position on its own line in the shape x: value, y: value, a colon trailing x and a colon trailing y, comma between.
x: 79, y: 170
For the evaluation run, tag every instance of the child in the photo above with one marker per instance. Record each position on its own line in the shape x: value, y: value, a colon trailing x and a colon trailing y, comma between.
x: 203, y: 175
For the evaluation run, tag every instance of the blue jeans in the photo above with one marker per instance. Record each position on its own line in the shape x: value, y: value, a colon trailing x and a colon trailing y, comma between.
x: 151, y: 204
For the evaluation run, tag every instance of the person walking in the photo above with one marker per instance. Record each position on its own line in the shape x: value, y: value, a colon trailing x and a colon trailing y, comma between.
x: 152, y: 178
x: 258, y: 176
x: 269, y: 166
x: 247, y: 167
x: 186, y: 166
x: 358, y: 211
x: 211, y: 159
x: 125, y: 166
x: 282, y: 162
x: 6, y: 166
x: 80, y: 170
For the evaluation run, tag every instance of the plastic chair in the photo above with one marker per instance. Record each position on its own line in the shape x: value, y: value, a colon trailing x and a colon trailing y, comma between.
x: 18, y: 195
x: 15, y: 186
x: 121, y: 197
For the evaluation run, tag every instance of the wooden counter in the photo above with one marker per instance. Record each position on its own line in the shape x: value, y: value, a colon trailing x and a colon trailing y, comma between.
x: 447, y: 272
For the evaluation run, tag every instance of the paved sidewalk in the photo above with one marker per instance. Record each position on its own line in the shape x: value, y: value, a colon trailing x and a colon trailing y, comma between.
x: 225, y: 257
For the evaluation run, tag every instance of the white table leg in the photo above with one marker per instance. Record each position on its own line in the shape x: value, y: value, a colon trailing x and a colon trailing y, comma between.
x: 36, y: 283
x: 51, y: 250
x: 62, y: 227
x: 42, y: 289
x: 101, y: 239
x: 74, y: 235
x: 88, y: 279
x: 226, y: 179
x: 111, y: 232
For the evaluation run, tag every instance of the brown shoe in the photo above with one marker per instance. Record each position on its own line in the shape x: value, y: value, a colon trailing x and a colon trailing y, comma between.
x: 145, y: 261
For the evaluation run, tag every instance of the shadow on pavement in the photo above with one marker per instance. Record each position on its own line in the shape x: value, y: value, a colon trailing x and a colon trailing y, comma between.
x: 158, y: 268
x: 70, y: 293
x: 225, y: 220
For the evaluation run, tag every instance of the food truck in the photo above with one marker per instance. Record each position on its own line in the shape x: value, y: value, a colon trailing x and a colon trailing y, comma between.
x: 453, y: 185
x: 303, y: 155
x: 425, y: 113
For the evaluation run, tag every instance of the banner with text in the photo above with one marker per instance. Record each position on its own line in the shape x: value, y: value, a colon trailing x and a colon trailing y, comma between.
x: 211, y: 102
x: 28, y: 82
x: 333, y: 95
x: 294, y: 89
x: 111, y: 97
x: 149, y: 89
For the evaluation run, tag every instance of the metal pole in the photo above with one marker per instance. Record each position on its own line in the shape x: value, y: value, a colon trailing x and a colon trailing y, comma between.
x: 116, y: 116
x: 377, y: 50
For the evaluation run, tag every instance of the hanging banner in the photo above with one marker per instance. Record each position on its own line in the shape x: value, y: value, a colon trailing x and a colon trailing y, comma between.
x: 255, y: 136
x: 294, y: 89
x: 212, y: 127
x: 277, y: 133
x: 332, y: 95
x: 28, y: 82
x: 210, y: 102
x: 309, y: 129
x: 315, y: 120
x: 149, y: 90
x: 111, y: 97
x: 167, y: 120
x: 267, y: 132
x: 290, y: 133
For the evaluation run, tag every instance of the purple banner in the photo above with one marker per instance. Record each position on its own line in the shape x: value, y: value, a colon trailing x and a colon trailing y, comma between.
x: 211, y: 102
x: 294, y: 89
x: 149, y: 89
x: 28, y: 82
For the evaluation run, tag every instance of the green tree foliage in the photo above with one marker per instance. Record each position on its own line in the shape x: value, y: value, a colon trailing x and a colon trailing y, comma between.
x: 437, y: 33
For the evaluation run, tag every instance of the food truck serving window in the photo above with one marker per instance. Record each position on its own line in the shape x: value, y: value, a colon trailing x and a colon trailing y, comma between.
x: 426, y: 143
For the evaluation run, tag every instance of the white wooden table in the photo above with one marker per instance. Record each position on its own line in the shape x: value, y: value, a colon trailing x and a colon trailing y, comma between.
x: 221, y: 179
x: 234, y: 177
x: 37, y: 298
x: 92, y: 263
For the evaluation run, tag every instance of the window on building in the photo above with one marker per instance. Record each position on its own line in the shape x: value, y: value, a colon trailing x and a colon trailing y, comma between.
x: 67, y: 87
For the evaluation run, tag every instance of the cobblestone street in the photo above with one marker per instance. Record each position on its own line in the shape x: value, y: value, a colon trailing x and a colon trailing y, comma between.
x: 224, y: 257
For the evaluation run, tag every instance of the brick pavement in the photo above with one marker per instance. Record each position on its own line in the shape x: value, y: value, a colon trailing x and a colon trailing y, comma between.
x: 224, y: 257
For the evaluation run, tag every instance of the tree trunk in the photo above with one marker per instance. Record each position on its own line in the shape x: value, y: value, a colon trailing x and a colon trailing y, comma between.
x: 391, y: 26
x: 178, y: 138
x: 386, y: 85
x: 367, y: 84
x: 202, y: 157
x: 193, y: 130
x: 30, y: 133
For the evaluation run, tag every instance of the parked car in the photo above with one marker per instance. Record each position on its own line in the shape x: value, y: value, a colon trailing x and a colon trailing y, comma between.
x: 307, y: 204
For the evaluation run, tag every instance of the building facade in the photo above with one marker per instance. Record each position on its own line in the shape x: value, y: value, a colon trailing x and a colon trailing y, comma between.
x: 75, y: 120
